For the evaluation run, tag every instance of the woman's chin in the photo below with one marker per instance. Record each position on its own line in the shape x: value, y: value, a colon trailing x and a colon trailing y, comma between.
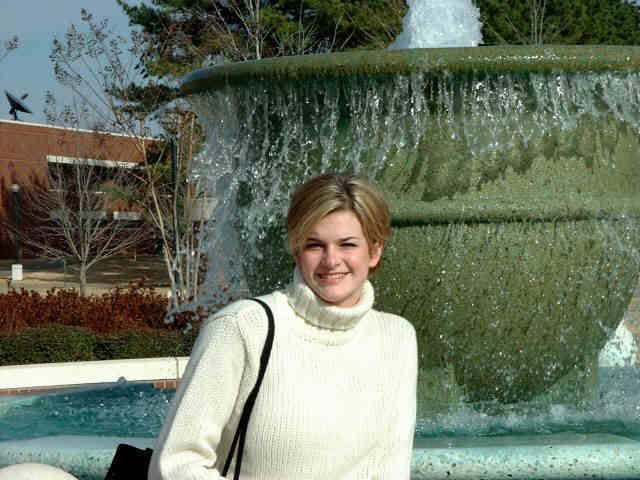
x: 337, y: 299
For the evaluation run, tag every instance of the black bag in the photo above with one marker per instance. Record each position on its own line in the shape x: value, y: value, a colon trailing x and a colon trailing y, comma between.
x: 129, y: 462
x: 132, y: 463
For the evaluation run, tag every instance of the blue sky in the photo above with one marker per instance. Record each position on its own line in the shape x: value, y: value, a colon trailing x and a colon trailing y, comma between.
x: 36, y: 22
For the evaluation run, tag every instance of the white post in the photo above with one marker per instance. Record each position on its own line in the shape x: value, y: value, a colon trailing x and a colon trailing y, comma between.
x: 16, y: 272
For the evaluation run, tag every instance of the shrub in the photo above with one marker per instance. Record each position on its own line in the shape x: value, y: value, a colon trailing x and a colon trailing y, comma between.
x: 63, y: 343
x: 63, y: 326
x: 123, y: 309
x: 51, y: 343
x: 143, y: 344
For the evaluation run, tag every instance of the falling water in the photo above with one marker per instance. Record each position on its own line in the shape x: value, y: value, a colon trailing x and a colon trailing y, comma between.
x: 514, y: 195
x: 261, y: 143
x: 440, y: 23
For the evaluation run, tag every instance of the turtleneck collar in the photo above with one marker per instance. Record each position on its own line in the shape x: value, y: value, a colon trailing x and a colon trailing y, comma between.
x: 318, y: 313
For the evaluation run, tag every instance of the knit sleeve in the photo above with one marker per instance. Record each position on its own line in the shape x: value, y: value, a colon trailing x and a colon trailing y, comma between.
x: 186, y: 446
x: 397, y: 454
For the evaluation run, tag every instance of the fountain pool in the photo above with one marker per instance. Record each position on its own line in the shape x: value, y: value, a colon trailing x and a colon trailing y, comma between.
x: 78, y: 431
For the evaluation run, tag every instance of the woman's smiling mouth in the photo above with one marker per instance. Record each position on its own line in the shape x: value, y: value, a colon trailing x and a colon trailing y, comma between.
x: 332, y: 276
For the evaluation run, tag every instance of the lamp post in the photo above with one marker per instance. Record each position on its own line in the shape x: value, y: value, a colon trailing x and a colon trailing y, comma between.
x: 16, y: 269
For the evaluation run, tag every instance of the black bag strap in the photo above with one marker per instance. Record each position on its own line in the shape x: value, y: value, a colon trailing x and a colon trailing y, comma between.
x: 243, y: 425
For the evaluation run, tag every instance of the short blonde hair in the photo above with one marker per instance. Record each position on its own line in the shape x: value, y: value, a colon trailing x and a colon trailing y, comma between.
x: 325, y: 194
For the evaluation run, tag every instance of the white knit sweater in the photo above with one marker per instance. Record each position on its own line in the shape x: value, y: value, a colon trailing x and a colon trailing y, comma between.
x: 337, y: 401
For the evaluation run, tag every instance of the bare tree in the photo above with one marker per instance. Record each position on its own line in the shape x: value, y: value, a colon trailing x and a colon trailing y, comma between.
x: 247, y: 16
x: 8, y: 46
x: 102, y: 68
x: 105, y: 72
x: 538, y: 10
x: 187, y: 36
x: 99, y: 67
x: 538, y: 30
x: 72, y: 214
x: 384, y: 29
x: 177, y: 206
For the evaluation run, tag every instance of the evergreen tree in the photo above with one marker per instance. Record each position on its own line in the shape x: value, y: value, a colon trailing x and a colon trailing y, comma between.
x: 578, y: 22
x: 185, y: 34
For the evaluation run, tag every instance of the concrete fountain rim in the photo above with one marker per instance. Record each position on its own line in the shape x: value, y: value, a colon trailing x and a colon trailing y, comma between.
x: 556, y: 209
x: 491, y: 59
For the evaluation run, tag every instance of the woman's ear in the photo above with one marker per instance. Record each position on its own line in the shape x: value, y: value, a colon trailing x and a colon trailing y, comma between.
x: 375, y: 254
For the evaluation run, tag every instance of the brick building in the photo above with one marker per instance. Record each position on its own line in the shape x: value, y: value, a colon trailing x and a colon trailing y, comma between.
x: 28, y: 150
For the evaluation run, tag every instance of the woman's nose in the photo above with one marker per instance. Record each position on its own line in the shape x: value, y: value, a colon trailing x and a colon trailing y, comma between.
x: 330, y: 258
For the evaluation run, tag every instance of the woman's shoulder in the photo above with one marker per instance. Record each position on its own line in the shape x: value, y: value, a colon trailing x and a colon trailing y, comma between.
x: 242, y: 321
x: 245, y: 311
x: 396, y: 337
x: 395, y: 324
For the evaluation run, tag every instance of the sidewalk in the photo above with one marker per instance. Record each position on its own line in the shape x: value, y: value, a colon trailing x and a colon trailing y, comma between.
x: 42, y: 275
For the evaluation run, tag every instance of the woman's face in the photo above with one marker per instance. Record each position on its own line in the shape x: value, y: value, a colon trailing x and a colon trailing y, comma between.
x: 335, y: 258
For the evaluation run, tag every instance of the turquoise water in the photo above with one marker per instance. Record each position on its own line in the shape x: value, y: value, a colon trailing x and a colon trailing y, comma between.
x: 138, y: 410
x: 78, y: 431
x: 127, y: 410
x: 615, y: 411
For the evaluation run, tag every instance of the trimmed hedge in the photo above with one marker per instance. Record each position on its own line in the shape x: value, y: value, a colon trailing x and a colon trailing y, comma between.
x: 123, y: 309
x: 63, y: 326
x: 63, y: 343
x: 143, y: 344
x: 55, y: 343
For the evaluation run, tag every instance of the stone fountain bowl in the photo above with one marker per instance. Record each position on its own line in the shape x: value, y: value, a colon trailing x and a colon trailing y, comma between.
x: 513, y: 175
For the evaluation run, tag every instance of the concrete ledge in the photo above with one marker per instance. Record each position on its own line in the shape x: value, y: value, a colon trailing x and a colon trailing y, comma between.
x: 550, y: 457
x: 47, y: 376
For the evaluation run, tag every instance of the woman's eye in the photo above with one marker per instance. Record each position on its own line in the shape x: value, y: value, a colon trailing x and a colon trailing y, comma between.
x: 349, y: 245
x: 312, y: 246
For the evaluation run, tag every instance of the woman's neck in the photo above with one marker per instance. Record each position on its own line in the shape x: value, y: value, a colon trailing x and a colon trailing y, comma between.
x: 318, y: 313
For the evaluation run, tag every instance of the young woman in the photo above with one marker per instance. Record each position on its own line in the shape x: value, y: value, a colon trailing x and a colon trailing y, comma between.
x: 338, y: 398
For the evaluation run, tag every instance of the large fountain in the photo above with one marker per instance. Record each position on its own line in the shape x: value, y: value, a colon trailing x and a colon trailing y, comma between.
x: 513, y: 174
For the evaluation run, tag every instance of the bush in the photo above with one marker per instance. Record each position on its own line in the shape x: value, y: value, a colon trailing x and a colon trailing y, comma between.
x: 143, y: 344
x: 53, y: 343
x: 63, y: 343
x: 62, y: 326
x: 123, y: 309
